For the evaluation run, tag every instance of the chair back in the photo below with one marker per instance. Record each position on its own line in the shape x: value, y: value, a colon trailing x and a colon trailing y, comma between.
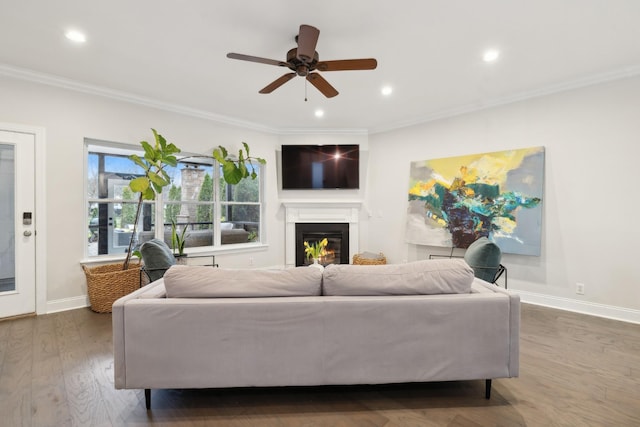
x: 157, y: 258
x: 484, y: 257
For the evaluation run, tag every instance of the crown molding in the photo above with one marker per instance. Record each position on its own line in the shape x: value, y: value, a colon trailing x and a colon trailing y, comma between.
x: 593, y: 80
x: 320, y: 131
x: 61, y: 82
x: 64, y: 83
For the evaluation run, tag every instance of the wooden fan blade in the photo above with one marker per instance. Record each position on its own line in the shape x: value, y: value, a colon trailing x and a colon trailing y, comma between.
x: 307, y: 41
x: 277, y: 83
x: 256, y: 59
x: 322, y: 85
x: 348, y: 64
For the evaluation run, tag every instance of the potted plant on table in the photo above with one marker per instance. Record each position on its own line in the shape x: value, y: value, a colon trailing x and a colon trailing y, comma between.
x: 178, y: 240
x: 107, y: 283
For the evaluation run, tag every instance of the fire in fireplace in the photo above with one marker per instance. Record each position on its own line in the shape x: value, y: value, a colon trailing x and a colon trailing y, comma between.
x: 337, y: 235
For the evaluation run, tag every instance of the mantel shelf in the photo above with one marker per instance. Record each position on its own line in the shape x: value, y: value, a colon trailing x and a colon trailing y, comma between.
x: 321, y: 203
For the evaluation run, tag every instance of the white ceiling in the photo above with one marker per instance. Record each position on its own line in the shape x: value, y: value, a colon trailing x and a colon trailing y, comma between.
x: 173, y: 53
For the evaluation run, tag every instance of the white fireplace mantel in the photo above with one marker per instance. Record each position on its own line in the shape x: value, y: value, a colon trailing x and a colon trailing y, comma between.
x: 320, y: 211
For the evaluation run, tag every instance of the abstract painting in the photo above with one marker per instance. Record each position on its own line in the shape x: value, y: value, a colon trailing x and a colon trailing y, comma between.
x: 453, y: 201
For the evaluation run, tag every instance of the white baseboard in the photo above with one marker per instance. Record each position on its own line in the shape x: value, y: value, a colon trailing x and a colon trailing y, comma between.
x: 590, y: 308
x: 584, y: 307
x: 67, y: 304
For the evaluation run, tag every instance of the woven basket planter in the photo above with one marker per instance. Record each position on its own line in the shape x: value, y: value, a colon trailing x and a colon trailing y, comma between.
x: 107, y: 283
x: 360, y: 260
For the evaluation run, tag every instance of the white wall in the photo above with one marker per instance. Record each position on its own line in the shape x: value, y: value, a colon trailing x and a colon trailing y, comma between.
x: 590, y: 225
x: 68, y: 118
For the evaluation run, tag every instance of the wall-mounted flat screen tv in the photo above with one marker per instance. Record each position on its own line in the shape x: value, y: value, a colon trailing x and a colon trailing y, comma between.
x: 316, y: 167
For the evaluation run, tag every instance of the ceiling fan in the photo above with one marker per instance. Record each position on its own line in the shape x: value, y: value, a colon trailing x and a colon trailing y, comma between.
x: 304, y: 61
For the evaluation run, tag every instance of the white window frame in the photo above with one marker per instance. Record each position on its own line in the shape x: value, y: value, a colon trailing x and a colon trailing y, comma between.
x: 216, y: 248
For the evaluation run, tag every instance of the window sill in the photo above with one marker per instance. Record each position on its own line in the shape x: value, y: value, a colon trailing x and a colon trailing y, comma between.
x: 236, y: 248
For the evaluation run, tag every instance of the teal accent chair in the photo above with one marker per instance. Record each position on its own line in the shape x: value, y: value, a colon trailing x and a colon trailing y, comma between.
x: 484, y: 257
x: 157, y: 258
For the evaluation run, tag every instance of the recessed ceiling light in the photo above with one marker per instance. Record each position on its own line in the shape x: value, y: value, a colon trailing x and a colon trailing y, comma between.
x: 491, y: 55
x: 387, y: 90
x: 76, y: 36
x: 319, y: 113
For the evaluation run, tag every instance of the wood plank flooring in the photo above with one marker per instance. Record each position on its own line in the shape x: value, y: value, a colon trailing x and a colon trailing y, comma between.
x: 575, y: 370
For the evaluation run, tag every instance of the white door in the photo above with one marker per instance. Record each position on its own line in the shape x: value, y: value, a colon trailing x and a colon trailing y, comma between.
x: 17, y: 224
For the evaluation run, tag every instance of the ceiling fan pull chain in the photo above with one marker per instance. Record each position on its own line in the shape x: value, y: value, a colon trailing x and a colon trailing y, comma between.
x: 305, y: 90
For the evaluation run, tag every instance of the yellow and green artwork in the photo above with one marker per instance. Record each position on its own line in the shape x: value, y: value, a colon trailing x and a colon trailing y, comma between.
x: 455, y: 200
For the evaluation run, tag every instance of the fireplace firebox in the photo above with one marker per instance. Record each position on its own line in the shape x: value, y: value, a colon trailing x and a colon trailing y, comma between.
x: 337, y: 235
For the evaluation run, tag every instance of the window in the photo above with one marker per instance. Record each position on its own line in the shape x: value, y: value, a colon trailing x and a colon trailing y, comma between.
x: 213, y: 212
x: 240, y: 209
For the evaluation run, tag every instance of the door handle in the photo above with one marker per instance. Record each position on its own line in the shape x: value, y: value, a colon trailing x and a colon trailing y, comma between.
x: 27, y: 233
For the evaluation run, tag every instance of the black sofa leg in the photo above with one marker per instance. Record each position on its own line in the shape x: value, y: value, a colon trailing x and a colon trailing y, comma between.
x: 487, y: 389
x: 147, y: 398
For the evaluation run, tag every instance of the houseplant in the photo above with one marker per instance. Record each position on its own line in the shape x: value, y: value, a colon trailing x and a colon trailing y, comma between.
x: 178, y: 239
x: 316, y: 250
x: 158, y: 157
x: 107, y: 283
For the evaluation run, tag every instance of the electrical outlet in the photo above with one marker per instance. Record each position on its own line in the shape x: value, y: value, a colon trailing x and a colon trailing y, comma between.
x: 580, y: 288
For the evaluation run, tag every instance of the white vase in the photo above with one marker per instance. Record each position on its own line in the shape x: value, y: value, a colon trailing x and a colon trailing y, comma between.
x: 316, y: 264
x: 181, y: 259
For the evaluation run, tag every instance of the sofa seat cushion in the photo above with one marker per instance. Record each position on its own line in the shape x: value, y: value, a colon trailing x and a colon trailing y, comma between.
x: 183, y: 281
x: 447, y: 276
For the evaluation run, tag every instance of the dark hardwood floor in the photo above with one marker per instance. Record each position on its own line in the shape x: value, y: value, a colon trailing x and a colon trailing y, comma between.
x: 575, y: 370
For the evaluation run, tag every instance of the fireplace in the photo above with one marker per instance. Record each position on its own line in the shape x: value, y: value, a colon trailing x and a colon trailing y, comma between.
x: 337, y: 235
x: 341, y: 213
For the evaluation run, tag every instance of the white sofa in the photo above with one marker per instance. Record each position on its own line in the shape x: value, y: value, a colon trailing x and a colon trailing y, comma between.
x: 200, y: 327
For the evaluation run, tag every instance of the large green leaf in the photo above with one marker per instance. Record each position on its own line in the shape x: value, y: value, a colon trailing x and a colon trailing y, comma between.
x: 140, y: 184
x: 165, y: 175
x: 171, y: 149
x: 149, y: 152
x: 232, y: 174
x: 159, y: 140
x: 148, y: 194
x: 243, y: 169
x: 156, y: 188
x: 137, y: 160
x: 220, y: 154
x: 157, y: 179
x: 170, y: 160
x: 163, y: 142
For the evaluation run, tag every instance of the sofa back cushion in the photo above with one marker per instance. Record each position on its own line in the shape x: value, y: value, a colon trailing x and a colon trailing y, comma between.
x: 183, y: 281
x: 447, y: 276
